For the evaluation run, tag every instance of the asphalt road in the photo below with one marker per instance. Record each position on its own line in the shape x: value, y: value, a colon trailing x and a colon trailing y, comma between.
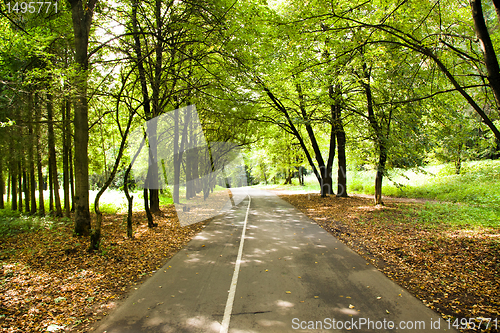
x: 293, y: 277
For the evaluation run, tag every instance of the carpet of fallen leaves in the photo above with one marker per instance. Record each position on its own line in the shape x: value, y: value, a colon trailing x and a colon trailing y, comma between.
x: 454, y: 271
x: 47, y: 277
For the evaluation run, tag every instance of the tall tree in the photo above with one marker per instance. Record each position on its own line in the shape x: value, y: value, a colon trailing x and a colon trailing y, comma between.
x: 81, y: 14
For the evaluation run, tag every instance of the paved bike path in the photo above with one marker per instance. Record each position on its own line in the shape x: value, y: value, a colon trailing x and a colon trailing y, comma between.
x: 293, y: 277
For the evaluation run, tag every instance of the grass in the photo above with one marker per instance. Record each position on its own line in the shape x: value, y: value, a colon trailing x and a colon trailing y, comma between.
x: 471, y: 199
x: 477, y: 183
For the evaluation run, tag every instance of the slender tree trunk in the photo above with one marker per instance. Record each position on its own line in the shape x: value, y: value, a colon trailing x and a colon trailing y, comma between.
x: 8, y: 186
x: 13, y: 186
x: 71, y: 180
x: 51, y: 188
x: 380, y: 174
x: 81, y: 14
x: 12, y: 172
x: 177, y: 160
x: 66, y: 137
x: 130, y: 198
x: 31, y: 159
x: 41, y: 203
x: 153, y: 186
x: 380, y: 140
x: 151, y: 224
x: 95, y: 236
x: 32, y: 185
x: 26, y: 191
x: 153, y: 167
x: 325, y: 179
x: 52, y: 155
x: 2, y: 184
x: 130, y: 202
x: 341, y: 141
x: 20, y: 184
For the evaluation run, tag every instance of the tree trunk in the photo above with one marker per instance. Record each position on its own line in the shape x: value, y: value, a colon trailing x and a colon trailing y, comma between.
x: 13, y: 187
x: 153, y: 184
x: 380, y: 141
x: 342, y: 168
x: 51, y: 188
x: 26, y: 191
x: 20, y: 189
x: 66, y: 137
x: 31, y: 159
x: 177, y: 159
x: 490, y: 57
x: 130, y: 198
x: 81, y: 15
x: 152, y: 169
x: 95, y: 236
x: 130, y: 202
x: 41, y: 203
x: 325, y: 179
x: 52, y: 156
x: 8, y: 187
x: 71, y: 180
x: 2, y: 184
x: 151, y: 224
x: 154, y: 199
x: 380, y: 174
x: 458, y: 160
x: 338, y: 128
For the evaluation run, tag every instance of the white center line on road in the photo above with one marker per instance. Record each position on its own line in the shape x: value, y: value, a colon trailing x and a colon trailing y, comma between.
x: 232, y: 291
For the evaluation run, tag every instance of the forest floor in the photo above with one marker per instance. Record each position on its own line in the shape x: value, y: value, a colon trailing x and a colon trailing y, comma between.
x: 50, y: 282
x: 453, y: 270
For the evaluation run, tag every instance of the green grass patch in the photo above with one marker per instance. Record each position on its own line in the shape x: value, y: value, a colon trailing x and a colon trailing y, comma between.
x: 468, y: 200
x: 448, y: 216
x: 478, y: 183
x: 11, y: 225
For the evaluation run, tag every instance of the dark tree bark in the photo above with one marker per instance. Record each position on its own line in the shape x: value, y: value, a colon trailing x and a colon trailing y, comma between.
x: 71, y: 180
x: 325, y: 180
x: 52, y: 156
x: 26, y: 191
x: 8, y: 187
x: 177, y: 160
x: 380, y: 139
x: 154, y: 200
x: 380, y: 173
x: 2, y: 183
x: 51, y: 188
x: 31, y: 159
x: 13, y: 187
x: 336, y: 111
x: 151, y: 223
x: 130, y: 198
x: 20, y: 188
x: 153, y: 167
x: 490, y: 57
x: 13, y: 173
x: 41, y: 203
x: 81, y: 14
x: 66, y: 138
